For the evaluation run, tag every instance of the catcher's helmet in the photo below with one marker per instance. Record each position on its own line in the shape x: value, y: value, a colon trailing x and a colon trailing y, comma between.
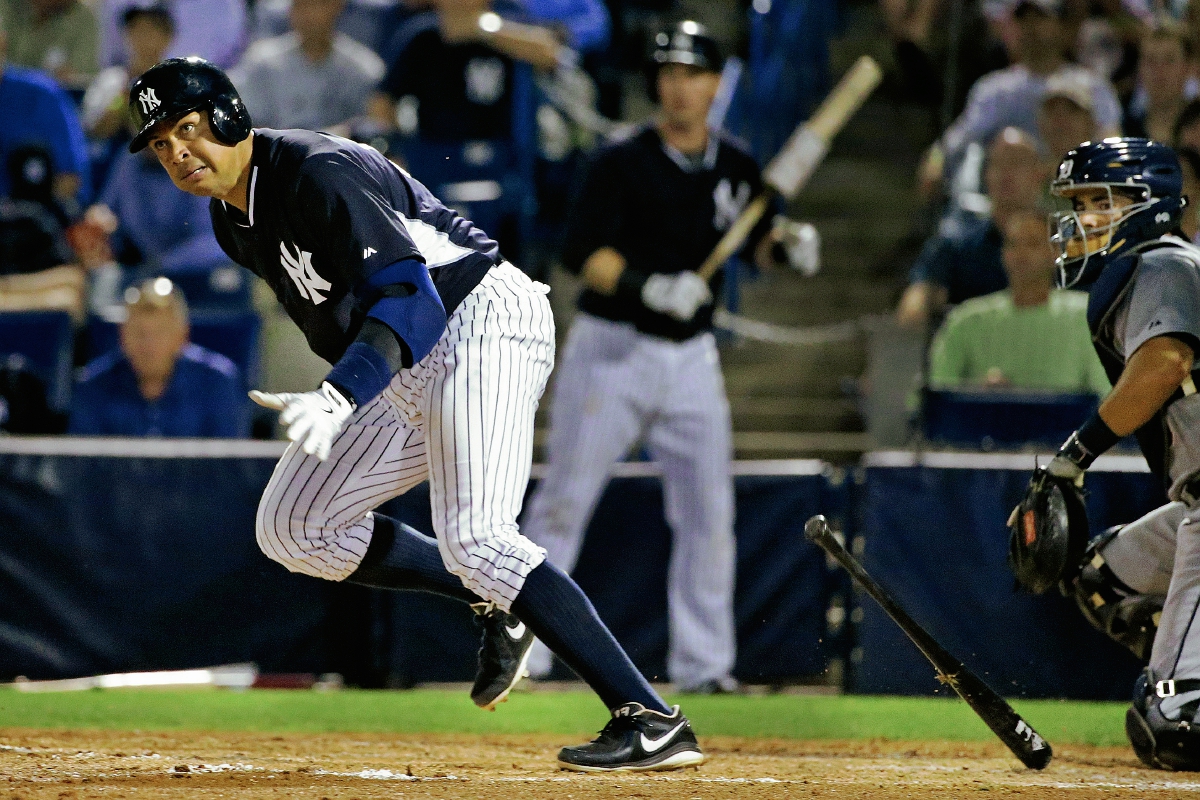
x: 179, y: 86
x: 1144, y: 170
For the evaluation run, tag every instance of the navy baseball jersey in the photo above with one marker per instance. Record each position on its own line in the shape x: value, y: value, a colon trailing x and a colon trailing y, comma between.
x: 663, y: 212
x: 325, y: 214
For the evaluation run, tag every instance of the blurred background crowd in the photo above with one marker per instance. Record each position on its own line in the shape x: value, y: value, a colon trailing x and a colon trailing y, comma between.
x: 932, y: 207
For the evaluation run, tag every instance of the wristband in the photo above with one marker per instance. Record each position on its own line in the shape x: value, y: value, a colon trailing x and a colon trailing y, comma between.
x: 361, y: 373
x: 1090, y: 441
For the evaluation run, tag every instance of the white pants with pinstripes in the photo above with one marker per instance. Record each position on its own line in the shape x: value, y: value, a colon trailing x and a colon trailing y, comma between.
x: 614, y: 388
x: 462, y: 419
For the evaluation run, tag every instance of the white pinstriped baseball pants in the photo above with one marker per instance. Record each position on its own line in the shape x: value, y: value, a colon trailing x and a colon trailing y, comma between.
x: 462, y: 418
x: 615, y: 387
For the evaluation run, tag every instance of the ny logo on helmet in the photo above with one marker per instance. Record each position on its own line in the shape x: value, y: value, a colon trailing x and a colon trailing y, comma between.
x: 1064, y: 169
x: 299, y: 268
x: 149, y: 100
x: 1162, y: 217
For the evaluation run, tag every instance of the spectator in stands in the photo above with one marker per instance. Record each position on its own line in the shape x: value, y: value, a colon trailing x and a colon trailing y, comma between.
x: 1012, y: 96
x: 35, y: 110
x: 213, y: 29
x: 59, y: 37
x: 1028, y: 336
x: 1164, y: 67
x: 369, y: 22
x: 154, y: 229
x: 1187, y: 127
x: 147, y: 31
x: 1066, y: 116
x: 452, y: 74
x: 156, y: 383
x: 37, y: 269
x: 962, y: 259
x: 313, y: 77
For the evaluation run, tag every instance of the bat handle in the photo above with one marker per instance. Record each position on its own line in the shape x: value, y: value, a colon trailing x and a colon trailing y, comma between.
x: 817, y: 531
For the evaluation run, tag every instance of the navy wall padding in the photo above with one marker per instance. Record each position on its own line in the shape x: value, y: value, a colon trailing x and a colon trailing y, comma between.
x: 130, y: 564
x: 936, y: 539
x: 120, y: 564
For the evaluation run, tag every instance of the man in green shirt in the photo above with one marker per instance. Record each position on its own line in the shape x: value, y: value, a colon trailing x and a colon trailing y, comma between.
x: 1028, y: 336
x: 58, y: 37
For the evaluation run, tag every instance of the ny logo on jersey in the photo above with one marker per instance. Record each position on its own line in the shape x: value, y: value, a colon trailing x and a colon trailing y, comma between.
x: 300, y: 269
x: 485, y: 80
x: 728, y: 205
x: 149, y: 100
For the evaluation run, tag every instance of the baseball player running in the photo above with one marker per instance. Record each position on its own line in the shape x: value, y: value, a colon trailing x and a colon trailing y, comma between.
x: 1121, y: 243
x: 640, y: 363
x: 440, y: 351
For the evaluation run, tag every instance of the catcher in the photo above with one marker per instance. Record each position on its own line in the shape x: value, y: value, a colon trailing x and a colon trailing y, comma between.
x: 1139, y: 583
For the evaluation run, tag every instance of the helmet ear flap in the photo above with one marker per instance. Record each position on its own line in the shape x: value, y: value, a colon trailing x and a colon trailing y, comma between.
x: 229, y: 119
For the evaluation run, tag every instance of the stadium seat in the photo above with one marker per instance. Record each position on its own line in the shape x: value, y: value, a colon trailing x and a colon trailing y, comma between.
x: 46, y: 340
x: 989, y: 419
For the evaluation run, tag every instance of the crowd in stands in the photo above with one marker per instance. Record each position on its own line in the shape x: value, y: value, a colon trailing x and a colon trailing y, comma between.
x: 1033, y: 79
x: 93, y: 232
x: 490, y: 102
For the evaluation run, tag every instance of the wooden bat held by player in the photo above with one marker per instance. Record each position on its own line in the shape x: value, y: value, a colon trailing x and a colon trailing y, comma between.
x: 805, y: 148
x: 1016, y: 733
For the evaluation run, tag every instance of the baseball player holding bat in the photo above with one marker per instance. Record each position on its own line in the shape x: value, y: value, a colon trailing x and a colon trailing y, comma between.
x: 440, y: 351
x: 1139, y: 583
x: 640, y: 363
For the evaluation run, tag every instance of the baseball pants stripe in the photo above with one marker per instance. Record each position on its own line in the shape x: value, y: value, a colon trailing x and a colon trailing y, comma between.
x: 463, y: 420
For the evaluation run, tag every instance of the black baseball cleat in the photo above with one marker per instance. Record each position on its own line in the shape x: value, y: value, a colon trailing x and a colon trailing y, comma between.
x: 637, y: 739
x: 503, y: 655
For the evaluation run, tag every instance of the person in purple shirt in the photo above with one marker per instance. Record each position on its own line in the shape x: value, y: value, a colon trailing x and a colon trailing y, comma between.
x: 159, y: 228
x: 157, y: 383
x: 35, y: 111
x: 212, y: 29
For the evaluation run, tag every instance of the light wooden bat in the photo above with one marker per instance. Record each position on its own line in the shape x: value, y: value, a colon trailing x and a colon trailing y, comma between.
x: 787, y: 173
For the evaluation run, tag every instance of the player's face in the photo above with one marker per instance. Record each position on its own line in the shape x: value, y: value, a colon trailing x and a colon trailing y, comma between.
x: 686, y: 93
x: 1098, y: 210
x: 192, y: 156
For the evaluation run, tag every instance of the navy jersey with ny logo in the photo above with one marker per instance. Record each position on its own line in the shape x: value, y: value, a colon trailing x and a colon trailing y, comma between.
x: 326, y: 213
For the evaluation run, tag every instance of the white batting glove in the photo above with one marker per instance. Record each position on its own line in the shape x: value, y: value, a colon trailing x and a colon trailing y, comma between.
x: 679, y: 295
x: 800, y: 241
x: 314, y: 418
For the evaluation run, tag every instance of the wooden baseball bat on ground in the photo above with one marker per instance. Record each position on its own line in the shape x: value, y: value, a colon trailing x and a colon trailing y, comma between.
x: 787, y: 173
x: 1017, y: 734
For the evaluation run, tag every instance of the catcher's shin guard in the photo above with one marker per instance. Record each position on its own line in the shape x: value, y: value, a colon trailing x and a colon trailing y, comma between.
x: 1115, y: 609
x: 1160, y: 742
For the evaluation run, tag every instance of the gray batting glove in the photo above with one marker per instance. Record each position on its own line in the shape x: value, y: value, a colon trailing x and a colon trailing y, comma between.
x: 679, y: 295
x: 314, y: 418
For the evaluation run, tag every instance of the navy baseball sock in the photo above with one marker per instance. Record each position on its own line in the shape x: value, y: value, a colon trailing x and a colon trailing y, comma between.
x: 557, y: 610
x: 400, y: 557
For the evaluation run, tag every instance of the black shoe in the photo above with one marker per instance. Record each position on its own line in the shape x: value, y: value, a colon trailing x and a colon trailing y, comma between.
x: 637, y: 739
x: 503, y: 655
x: 1161, y: 742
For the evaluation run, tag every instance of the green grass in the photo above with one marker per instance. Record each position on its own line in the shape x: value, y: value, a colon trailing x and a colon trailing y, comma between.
x: 430, y: 711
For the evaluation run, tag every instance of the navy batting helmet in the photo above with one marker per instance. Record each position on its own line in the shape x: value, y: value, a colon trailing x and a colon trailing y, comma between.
x: 1142, y: 170
x: 687, y: 42
x: 180, y: 86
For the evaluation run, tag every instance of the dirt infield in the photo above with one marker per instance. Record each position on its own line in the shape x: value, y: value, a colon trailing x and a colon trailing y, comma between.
x: 102, y: 764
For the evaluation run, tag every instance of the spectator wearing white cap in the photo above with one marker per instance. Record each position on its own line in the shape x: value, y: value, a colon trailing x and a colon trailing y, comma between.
x: 1011, y: 97
x: 1067, y: 115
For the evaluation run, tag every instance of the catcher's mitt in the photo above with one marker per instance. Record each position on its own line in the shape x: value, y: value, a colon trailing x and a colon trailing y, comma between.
x: 1048, y: 532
